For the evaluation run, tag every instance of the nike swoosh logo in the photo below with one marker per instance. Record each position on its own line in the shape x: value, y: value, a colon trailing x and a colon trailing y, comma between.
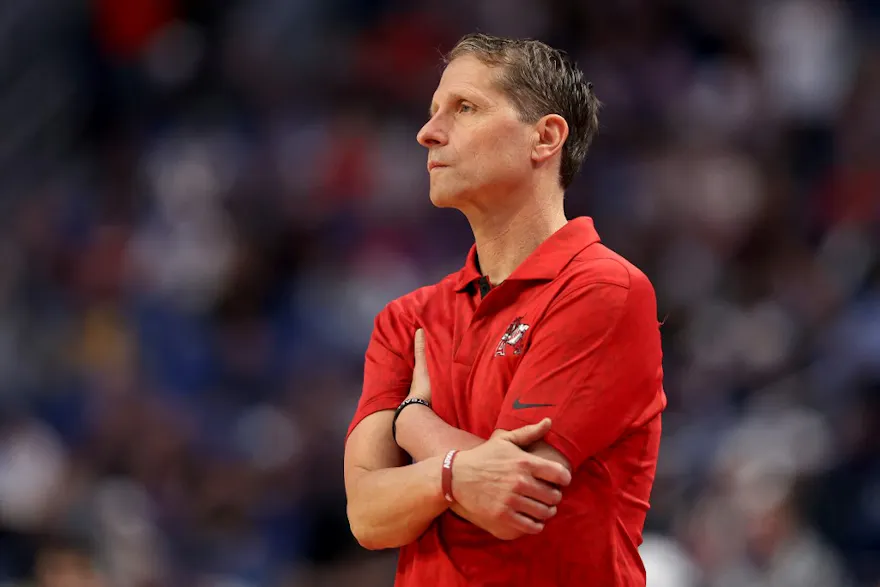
x: 518, y: 405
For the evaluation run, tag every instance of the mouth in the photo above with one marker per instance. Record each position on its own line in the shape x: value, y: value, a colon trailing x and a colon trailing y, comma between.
x: 434, y: 165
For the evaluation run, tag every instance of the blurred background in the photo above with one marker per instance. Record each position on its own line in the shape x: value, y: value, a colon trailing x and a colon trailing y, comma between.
x: 204, y: 203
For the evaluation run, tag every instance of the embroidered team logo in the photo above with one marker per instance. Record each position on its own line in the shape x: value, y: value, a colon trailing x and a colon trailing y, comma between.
x: 513, y: 338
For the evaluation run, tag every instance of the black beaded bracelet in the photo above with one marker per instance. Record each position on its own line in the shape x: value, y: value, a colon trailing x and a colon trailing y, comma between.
x: 407, y: 402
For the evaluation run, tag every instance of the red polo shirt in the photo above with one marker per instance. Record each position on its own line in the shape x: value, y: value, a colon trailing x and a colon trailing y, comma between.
x: 572, y: 334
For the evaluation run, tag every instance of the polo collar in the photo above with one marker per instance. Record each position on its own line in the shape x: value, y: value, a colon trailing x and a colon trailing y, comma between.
x: 545, y: 262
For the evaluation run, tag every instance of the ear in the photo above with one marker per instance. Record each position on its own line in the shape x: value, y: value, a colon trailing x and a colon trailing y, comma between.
x: 551, y: 131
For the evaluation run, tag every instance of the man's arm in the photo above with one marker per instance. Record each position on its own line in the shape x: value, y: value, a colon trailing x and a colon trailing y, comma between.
x: 426, y: 436
x: 390, y: 504
x: 545, y: 451
x: 420, y: 431
x: 423, y: 434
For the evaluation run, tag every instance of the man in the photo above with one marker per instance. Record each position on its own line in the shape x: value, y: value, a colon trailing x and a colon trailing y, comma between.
x: 526, y: 388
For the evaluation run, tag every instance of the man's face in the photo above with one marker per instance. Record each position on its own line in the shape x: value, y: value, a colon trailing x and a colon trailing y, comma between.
x: 478, y: 149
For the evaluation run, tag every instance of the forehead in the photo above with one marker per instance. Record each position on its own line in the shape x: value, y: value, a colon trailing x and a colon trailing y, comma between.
x: 468, y: 75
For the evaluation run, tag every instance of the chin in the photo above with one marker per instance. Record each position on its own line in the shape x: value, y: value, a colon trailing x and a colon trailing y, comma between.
x: 445, y: 198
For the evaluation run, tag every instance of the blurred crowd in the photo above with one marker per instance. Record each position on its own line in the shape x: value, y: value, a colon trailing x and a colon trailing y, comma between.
x: 206, y: 202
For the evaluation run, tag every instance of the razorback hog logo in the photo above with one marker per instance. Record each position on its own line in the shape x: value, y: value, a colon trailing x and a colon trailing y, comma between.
x: 512, y: 337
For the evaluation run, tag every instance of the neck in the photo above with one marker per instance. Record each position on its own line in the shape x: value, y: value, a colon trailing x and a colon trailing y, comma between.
x: 504, y: 241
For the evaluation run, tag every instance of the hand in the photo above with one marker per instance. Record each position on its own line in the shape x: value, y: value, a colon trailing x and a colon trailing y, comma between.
x: 505, y: 490
x: 421, y: 381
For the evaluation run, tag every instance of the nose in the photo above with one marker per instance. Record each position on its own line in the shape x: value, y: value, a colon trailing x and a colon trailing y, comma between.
x: 432, y: 134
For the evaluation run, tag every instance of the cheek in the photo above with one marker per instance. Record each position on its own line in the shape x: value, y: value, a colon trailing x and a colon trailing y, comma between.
x: 499, y: 151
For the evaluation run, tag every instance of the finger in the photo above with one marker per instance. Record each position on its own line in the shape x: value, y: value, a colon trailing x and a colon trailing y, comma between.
x: 419, y: 349
x: 523, y: 523
x: 419, y: 345
x: 531, y: 508
x: 540, y: 491
x: 528, y: 434
x: 549, y: 471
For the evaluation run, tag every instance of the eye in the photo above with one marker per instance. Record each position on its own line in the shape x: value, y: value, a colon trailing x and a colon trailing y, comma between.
x: 464, y: 107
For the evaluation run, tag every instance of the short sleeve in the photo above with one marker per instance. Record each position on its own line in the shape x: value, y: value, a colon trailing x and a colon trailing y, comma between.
x: 388, y: 363
x: 593, y: 365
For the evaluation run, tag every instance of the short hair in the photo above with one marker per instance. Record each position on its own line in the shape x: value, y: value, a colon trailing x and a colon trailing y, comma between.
x: 540, y: 80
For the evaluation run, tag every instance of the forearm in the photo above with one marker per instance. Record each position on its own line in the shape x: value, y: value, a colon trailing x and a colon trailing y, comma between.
x: 423, y: 434
x: 389, y: 508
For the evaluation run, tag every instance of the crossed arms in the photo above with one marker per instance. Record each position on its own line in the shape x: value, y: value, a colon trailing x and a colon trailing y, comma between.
x: 602, y: 380
x: 497, y: 485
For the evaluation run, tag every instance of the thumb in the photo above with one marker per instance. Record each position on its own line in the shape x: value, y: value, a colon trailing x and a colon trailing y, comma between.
x: 421, y: 366
x: 528, y: 434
